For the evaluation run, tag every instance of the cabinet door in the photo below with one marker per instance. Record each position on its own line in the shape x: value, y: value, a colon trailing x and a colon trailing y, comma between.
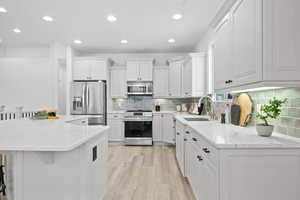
x: 209, y: 182
x: 157, y: 128
x: 98, y: 70
x: 118, y: 83
x: 146, y: 71
x: 223, y: 54
x: 187, y: 79
x: 160, y: 82
x: 133, y: 71
x: 175, y: 79
x: 116, y: 132
x: 168, y: 130
x: 247, y: 41
x: 196, y: 171
x: 81, y: 70
x: 281, y: 40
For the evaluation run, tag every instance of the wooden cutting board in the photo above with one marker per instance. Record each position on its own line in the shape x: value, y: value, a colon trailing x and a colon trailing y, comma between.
x: 246, y: 105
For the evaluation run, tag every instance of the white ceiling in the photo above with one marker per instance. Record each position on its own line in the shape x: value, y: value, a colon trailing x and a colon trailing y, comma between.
x: 146, y: 24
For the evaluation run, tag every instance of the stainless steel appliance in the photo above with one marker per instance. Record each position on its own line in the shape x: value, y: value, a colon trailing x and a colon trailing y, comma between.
x: 89, y: 98
x: 140, y: 88
x: 138, y: 127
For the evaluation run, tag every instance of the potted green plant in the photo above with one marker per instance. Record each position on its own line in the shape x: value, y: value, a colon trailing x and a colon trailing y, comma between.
x: 272, y: 110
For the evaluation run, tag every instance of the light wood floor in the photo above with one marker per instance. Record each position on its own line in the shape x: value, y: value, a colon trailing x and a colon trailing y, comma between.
x: 145, y: 173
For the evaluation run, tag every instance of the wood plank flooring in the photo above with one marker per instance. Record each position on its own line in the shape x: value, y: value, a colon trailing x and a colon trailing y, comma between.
x: 145, y: 173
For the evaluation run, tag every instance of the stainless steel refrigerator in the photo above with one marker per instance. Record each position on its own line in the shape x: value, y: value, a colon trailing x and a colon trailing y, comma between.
x: 89, y: 98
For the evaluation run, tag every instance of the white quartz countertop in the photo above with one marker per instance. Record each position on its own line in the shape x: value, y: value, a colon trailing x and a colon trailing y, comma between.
x: 230, y: 136
x: 46, y: 135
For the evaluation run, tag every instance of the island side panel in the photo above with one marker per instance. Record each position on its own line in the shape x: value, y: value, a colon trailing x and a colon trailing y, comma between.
x: 61, y: 175
x: 260, y: 174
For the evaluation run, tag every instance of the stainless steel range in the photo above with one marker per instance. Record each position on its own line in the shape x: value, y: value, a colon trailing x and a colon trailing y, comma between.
x: 138, y: 127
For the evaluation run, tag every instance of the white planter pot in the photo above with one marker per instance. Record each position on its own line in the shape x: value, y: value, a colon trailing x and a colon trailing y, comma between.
x: 264, y: 131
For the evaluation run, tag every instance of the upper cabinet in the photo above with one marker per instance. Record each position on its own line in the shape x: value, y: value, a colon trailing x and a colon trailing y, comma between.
x: 139, y: 70
x: 89, y: 69
x: 281, y: 40
x: 194, y: 75
x: 175, y: 78
x: 160, y: 82
x: 222, y: 53
x: 118, y: 82
x: 247, y: 41
x: 257, y: 44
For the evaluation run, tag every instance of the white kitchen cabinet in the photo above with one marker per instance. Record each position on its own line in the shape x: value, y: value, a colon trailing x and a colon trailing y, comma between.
x: 240, y: 173
x: 118, y: 82
x: 175, y: 78
x: 116, y: 123
x: 247, y: 41
x: 89, y: 69
x: 157, y: 127
x: 223, y: 54
x: 168, y: 129
x: 180, y: 137
x: 139, y: 70
x: 194, y: 76
x: 163, y: 128
x: 281, y: 40
x: 146, y: 70
x: 160, y: 82
x: 263, y: 36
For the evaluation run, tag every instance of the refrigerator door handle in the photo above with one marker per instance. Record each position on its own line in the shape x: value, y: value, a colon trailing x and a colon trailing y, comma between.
x: 83, y: 99
x: 87, y: 98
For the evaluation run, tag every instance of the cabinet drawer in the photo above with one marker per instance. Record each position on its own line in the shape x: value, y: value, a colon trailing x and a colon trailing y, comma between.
x: 195, y: 138
x: 114, y: 116
x: 209, y: 152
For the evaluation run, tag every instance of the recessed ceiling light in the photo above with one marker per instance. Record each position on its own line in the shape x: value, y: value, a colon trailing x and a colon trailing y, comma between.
x: 77, y: 42
x: 3, y: 10
x: 177, y: 16
x: 171, y: 40
x: 48, y: 18
x: 124, y: 41
x: 111, y: 18
x: 16, y: 30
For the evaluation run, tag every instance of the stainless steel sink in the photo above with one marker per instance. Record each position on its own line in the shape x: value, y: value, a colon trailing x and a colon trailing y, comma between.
x: 196, y: 119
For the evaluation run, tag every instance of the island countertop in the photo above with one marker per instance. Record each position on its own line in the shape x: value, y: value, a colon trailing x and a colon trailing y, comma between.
x: 230, y: 136
x: 46, y: 135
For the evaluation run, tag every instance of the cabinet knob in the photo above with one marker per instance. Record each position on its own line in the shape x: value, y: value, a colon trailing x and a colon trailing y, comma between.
x: 187, y: 132
x: 194, y: 139
x: 199, y: 158
x: 185, y: 139
x: 206, y: 150
x: 178, y: 133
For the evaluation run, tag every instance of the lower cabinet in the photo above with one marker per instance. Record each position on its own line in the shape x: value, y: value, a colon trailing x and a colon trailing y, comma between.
x: 180, y: 137
x: 239, y: 173
x: 116, y: 132
x: 163, y: 128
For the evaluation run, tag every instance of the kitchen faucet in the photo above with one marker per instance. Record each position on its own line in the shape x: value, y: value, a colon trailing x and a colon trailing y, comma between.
x: 210, y: 112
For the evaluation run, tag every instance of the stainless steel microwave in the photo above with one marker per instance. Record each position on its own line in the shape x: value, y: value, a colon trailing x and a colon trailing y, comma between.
x: 140, y: 88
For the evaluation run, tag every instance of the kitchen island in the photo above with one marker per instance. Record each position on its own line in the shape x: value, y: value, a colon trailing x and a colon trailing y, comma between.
x: 226, y: 162
x: 54, y: 159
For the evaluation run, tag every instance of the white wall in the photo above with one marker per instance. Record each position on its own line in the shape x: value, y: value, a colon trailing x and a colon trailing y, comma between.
x: 29, y: 76
x: 26, y: 82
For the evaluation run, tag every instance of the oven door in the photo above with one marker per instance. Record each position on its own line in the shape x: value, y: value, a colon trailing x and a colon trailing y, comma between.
x: 138, y: 132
